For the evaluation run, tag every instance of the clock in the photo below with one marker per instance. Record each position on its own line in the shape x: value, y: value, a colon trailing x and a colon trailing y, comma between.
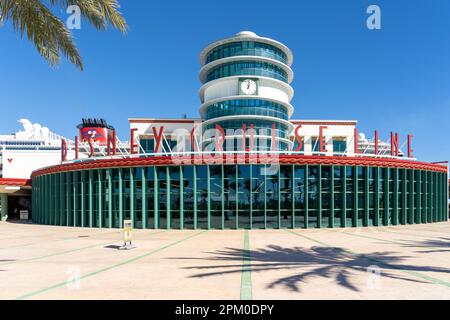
x: 248, y: 87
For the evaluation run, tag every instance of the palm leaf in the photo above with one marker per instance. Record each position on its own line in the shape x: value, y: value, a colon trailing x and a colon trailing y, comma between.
x: 49, y: 34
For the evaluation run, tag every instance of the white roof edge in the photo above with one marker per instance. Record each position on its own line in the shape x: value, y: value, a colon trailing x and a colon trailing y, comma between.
x: 247, y: 36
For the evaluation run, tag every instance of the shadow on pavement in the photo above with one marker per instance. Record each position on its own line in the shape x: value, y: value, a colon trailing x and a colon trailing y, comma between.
x: 435, y: 246
x: 305, y: 264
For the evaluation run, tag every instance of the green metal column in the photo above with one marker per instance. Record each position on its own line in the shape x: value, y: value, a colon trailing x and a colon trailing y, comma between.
x: 168, y: 200
x: 265, y: 196
x: 251, y: 196
x: 83, y: 198
x: 4, y: 206
x: 62, y: 209
x: 444, y: 196
x: 306, y: 186
x: 438, y: 180
x: 223, y: 197
x: 395, y: 212
x: 366, y: 197
x: 404, y: 197
x: 436, y: 207
x: 424, y: 197
x: 49, y: 199
x: 429, y: 190
x: 279, y: 197
x: 386, y: 197
x: 292, y: 181
x: 91, y: 198
x: 332, y: 197
x: 446, y: 186
x: 100, y: 199
x: 36, y: 205
x: 411, y: 197
x: 182, y: 198
x: 69, y: 196
x: 419, y: 198
x: 440, y: 195
x: 344, y: 198
x: 156, y: 198
x: 38, y: 197
x: 237, y: 197
x: 144, y: 197
x: 132, y: 199
x: 208, y: 188
x: 75, y: 198
x: 54, y: 198
x: 194, y: 171
x: 319, y: 196
x: 433, y: 195
x: 377, y: 196
x: 120, y: 198
x: 355, y: 197
x: 110, y: 199
x: 42, y: 198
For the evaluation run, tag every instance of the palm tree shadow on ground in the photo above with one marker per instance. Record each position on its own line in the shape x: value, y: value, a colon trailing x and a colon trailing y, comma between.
x: 304, y: 264
x: 439, y: 245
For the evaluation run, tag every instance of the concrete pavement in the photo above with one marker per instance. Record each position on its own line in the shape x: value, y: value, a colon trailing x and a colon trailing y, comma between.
x: 401, y: 262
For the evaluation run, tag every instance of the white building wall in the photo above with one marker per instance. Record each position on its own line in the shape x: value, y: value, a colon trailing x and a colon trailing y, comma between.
x: 228, y: 87
x: 145, y: 127
x: 20, y: 164
x: 335, y: 129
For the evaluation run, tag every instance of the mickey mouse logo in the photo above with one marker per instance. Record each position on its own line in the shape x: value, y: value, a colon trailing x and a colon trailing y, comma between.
x: 92, y: 134
x: 10, y: 160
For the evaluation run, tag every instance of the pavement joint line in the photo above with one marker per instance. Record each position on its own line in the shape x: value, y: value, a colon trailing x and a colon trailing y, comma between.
x: 65, y: 252
x: 429, y: 224
x: 406, y: 234
x: 374, y: 238
x: 93, y: 273
x: 41, y: 235
x: 390, y: 266
x: 246, y: 278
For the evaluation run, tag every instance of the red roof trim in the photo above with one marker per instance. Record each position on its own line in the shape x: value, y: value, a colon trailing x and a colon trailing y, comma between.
x: 14, y: 182
x: 283, y: 159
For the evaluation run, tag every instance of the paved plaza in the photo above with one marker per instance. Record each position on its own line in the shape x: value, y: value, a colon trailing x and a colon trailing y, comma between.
x: 399, y: 262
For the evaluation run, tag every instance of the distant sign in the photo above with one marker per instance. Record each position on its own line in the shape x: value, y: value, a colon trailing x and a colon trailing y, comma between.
x: 127, y: 231
x: 23, y: 214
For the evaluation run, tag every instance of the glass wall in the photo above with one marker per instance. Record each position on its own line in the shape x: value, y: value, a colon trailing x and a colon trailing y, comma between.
x: 240, y: 196
x: 247, y: 68
x: 246, y: 107
x: 246, y: 48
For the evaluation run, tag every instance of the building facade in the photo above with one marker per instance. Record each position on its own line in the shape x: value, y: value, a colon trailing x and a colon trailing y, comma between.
x: 21, y: 153
x: 244, y: 163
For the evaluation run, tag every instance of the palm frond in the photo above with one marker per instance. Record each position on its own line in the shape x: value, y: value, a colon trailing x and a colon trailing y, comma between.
x: 98, y: 12
x: 49, y: 34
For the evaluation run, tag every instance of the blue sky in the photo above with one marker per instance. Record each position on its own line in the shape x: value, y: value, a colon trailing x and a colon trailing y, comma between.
x: 396, y: 78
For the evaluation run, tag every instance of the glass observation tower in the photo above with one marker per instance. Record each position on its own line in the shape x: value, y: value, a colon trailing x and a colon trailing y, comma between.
x: 246, y: 91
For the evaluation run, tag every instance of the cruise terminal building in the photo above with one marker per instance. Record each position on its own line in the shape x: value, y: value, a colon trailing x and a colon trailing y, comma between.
x: 243, y: 164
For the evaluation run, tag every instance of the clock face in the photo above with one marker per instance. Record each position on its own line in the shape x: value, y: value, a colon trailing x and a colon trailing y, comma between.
x: 248, y: 87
